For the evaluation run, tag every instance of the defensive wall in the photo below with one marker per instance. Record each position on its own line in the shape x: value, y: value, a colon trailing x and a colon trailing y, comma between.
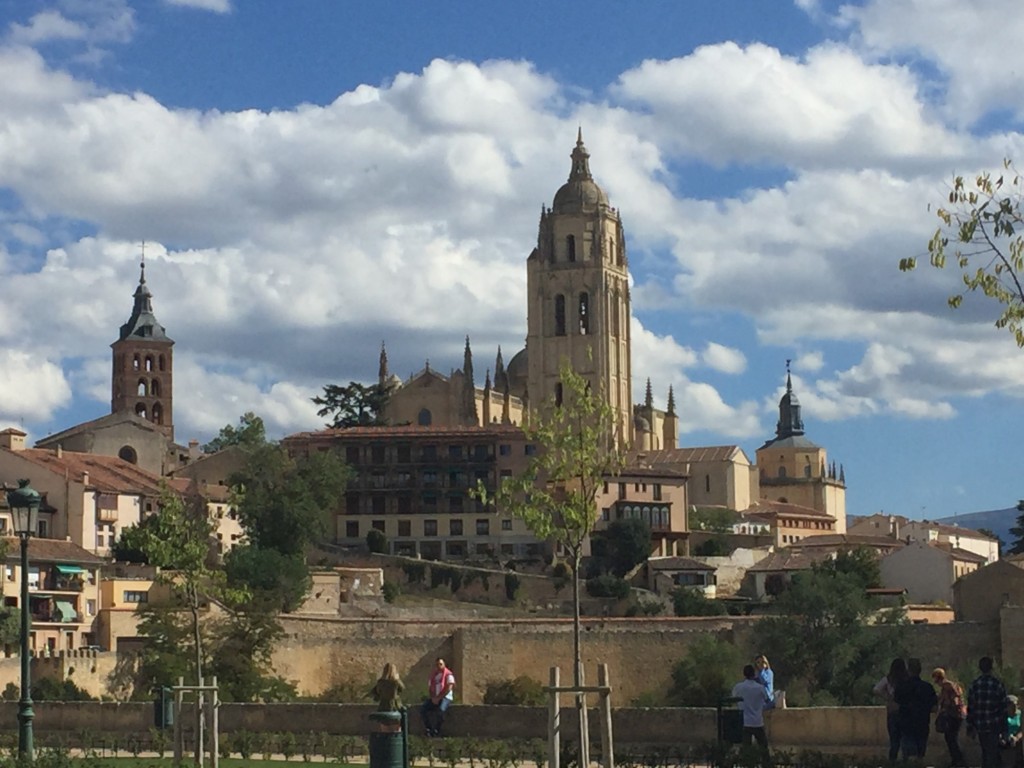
x: 852, y: 730
x: 318, y: 654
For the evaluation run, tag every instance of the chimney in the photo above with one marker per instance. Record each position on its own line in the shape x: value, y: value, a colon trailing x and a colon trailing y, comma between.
x: 60, y: 451
x: 193, y: 450
x: 85, y: 477
x: 12, y: 439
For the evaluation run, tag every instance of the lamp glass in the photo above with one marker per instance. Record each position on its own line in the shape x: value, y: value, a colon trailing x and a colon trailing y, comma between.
x: 24, y: 505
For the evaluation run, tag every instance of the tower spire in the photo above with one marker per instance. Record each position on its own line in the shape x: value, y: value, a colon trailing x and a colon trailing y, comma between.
x: 382, y: 368
x: 580, y: 160
x: 790, y: 422
x: 671, y: 401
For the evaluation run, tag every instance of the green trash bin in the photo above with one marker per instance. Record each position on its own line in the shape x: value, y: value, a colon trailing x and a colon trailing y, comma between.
x: 388, y: 746
x: 163, y: 707
x: 730, y: 721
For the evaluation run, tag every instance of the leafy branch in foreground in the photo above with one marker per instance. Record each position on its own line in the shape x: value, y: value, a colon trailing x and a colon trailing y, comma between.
x: 980, y: 231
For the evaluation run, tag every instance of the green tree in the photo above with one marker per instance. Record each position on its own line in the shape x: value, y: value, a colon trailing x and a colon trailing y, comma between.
x: 131, y: 541
x: 717, y: 519
x: 249, y: 433
x: 177, y: 540
x: 690, y: 602
x: 356, y: 405
x: 861, y: 563
x: 706, y: 674
x: 555, y: 495
x: 980, y: 231
x: 623, y: 546
x: 827, y: 637
x: 1017, y: 531
x: 376, y: 541
x: 284, y: 503
x: 277, y: 581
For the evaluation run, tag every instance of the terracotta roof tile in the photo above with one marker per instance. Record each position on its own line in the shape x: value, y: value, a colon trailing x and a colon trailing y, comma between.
x: 107, y: 474
x: 51, y: 551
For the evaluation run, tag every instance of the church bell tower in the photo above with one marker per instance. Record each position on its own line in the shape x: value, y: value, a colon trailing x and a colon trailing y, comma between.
x: 141, y: 382
x: 578, y: 296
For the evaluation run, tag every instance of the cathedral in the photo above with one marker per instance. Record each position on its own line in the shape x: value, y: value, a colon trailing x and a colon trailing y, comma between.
x: 578, y: 311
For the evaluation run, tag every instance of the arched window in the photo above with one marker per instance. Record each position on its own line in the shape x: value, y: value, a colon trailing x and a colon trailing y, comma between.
x: 807, y: 470
x: 558, y: 393
x: 128, y: 454
x: 140, y: 409
x: 425, y: 418
x: 141, y: 389
x: 154, y: 388
x: 584, y: 313
x: 158, y: 414
x: 570, y: 248
x: 782, y: 471
x: 162, y: 363
x: 135, y: 363
x: 149, y: 362
x: 559, y: 315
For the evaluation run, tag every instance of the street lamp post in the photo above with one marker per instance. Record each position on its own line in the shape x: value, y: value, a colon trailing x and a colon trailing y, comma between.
x: 24, y: 504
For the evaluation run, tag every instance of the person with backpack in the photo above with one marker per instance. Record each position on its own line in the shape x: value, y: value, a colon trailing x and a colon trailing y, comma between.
x: 952, y: 713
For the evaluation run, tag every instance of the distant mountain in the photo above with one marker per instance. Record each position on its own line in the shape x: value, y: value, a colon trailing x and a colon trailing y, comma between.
x: 999, y: 521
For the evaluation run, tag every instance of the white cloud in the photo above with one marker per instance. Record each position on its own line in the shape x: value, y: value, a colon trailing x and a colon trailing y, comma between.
x: 812, y: 362
x: 976, y: 46
x: 46, y: 26
x: 217, y: 6
x: 724, y: 359
x: 33, y: 387
x: 725, y: 103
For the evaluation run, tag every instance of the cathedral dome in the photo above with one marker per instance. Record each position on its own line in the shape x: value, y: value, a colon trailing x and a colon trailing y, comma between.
x: 578, y: 195
x: 518, y: 373
x: 580, y: 192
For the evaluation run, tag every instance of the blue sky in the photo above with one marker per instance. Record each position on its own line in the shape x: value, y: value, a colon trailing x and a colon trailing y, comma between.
x: 315, y: 177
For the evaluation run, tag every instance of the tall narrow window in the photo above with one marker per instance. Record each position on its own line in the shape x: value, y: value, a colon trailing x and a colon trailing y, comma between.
x: 584, y: 314
x: 154, y: 387
x: 559, y: 315
x: 158, y: 414
x: 570, y: 248
x: 558, y: 393
x: 141, y: 389
x: 149, y: 363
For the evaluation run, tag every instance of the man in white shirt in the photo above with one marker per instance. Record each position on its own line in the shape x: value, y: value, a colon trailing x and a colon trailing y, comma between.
x: 754, y: 701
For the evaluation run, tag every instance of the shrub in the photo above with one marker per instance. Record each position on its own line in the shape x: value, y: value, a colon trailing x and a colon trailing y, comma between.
x: 706, y: 674
x: 522, y: 690
x: 391, y: 591
x: 376, y: 541
x: 646, y: 608
x: 608, y: 586
x: 414, y: 572
x: 690, y: 602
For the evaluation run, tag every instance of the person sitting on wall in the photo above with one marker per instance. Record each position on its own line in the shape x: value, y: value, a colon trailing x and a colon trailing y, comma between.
x: 441, y: 693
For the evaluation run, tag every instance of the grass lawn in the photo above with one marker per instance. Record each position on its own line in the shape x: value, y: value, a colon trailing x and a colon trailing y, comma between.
x: 166, y: 762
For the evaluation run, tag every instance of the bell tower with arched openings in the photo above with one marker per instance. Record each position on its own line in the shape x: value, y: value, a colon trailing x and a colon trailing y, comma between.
x: 578, y: 296
x: 143, y: 364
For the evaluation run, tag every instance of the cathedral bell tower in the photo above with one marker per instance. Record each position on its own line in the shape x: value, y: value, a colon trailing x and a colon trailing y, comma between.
x: 578, y: 296
x: 142, y: 379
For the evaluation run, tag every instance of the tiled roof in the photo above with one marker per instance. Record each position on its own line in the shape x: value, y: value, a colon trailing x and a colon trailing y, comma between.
x: 411, y: 431
x: 632, y: 470
x: 51, y: 551
x: 684, y: 455
x: 102, y: 421
x: 847, y: 540
x: 776, y: 508
x: 789, y: 559
x: 107, y: 474
x: 209, y: 491
x: 956, y: 530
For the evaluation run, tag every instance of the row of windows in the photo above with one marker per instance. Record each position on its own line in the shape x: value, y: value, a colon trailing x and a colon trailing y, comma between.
x: 637, y: 488
x: 146, y: 364
x: 582, y: 314
x: 614, y: 253
x: 403, y: 454
x: 149, y: 388
x: 353, y: 529
x: 156, y: 415
x: 403, y: 505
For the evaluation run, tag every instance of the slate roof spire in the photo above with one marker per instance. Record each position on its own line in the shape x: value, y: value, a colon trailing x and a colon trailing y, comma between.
x: 790, y: 422
x: 143, y: 323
